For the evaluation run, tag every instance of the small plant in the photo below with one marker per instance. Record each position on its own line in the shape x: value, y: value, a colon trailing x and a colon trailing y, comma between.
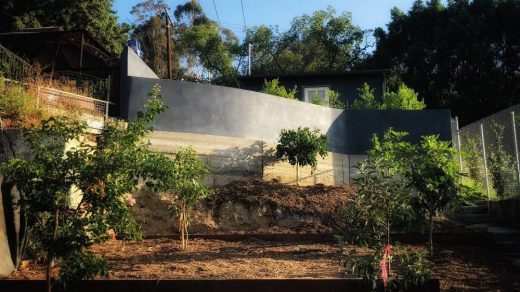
x: 332, y: 101
x: 301, y: 147
x: 473, y: 158
x: 187, y: 188
x: 274, y: 87
x: 501, y: 166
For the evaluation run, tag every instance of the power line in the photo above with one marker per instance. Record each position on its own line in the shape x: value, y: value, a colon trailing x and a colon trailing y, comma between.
x: 243, y: 14
x: 216, y: 12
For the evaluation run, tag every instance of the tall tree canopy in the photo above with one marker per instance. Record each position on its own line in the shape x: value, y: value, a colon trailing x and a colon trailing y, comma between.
x: 96, y: 16
x: 319, y: 42
x: 199, y: 43
x: 464, y: 56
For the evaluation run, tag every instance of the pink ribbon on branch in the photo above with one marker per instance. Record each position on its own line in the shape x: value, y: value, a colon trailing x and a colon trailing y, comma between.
x: 385, y: 264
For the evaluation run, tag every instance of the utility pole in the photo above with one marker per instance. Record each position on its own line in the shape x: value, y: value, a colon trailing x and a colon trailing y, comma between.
x: 168, y: 48
x: 249, y: 52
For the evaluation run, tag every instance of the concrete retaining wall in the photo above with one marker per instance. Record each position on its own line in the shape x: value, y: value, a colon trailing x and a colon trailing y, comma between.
x: 233, y: 159
x: 231, y: 112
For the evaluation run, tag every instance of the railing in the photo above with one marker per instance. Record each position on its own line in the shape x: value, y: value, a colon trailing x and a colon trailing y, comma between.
x: 96, y: 87
x: 12, y: 66
x: 57, y: 100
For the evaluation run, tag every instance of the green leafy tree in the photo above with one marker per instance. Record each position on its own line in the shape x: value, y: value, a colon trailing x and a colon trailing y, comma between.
x: 187, y: 187
x: 96, y: 16
x: 433, y: 173
x: 274, y: 87
x: 100, y: 174
x: 383, y: 201
x: 301, y: 147
x: 150, y: 31
x: 462, y: 55
x: 319, y: 42
x: 501, y: 166
x: 404, y: 98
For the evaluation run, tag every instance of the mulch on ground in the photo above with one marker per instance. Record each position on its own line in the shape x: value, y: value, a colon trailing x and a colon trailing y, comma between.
x: 459, y: 268
x: 316, y: 200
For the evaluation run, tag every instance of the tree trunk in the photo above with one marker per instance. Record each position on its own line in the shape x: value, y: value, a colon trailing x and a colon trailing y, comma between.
x: 297, y: 175
x: 430, y: 240
x: 50, y: 255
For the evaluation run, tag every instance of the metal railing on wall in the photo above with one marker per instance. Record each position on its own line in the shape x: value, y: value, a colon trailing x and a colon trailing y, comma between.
x: 12, y: 66
x: 57, y: 100
x: 489, y: 153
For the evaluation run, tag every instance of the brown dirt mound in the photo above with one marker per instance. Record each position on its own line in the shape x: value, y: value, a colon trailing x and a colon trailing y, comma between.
x: 318, y: 200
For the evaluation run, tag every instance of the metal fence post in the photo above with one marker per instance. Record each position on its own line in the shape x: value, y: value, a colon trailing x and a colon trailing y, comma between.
x: 458, y: 143
x: 485, y: 166
x: 515, y: 140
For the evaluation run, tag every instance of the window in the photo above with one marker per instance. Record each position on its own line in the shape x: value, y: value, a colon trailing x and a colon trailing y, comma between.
x: 317, y: 92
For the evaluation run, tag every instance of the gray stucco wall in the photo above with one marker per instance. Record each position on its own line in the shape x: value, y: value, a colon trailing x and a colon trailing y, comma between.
x: 225, y: 111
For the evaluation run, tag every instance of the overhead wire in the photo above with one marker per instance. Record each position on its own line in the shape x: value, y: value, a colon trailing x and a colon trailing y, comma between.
x: 243, y: 15
x: 216, y: 12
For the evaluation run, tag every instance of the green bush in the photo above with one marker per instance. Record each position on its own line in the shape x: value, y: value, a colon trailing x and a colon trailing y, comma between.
x: 404, y: 98
x: 274, y: 88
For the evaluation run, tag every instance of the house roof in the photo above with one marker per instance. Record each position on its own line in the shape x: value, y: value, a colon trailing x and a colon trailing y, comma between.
x: 31, y: 41
x: 337, y: 73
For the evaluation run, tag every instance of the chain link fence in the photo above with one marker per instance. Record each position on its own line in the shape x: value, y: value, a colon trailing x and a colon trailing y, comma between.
x: 489, y: 154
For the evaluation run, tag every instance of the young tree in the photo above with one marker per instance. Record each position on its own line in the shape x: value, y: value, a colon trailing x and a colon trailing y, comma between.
x: 301, y: 147
x: 187, y: 187
x: 433, y: 173
x: 99, y: 173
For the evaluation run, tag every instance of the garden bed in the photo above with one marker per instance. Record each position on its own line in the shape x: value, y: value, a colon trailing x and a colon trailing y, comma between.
x: 459, y: 268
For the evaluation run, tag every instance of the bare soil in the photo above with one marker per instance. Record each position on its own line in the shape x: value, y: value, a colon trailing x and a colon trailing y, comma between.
x: 459, y: 268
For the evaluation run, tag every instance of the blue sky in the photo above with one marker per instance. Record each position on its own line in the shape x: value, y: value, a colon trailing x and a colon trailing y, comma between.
x: 367, y: 14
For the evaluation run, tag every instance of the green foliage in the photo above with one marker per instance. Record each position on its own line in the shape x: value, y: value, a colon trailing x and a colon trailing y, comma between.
x: 433, y: 174
x: 332, y: 100
x: 65, y: 164
x: 501, y: 167
x: 383, y: 193
x: 473, y: 159
x: 404, y: 98
x: 460, y: 56
x: 323, y: 41
x: 187, y: 187
x: 96, y: 16
x: 274, y: 87
x: 366, y: 99
x: 415, y: 269
x: 301, y: 147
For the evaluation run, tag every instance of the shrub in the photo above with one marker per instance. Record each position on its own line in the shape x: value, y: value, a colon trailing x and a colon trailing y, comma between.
x: 274, y: 88
x: 404, y: 98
